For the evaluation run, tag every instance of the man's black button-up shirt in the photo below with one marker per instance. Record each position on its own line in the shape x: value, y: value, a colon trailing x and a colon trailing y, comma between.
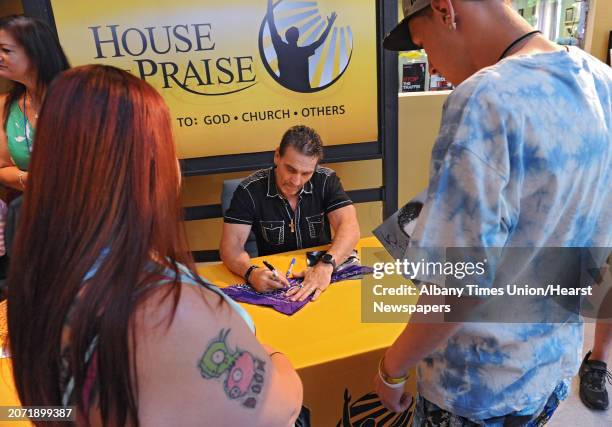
x: 277, y: 227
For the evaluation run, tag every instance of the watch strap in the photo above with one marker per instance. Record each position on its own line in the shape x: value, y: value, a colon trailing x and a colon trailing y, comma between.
x: 248, y: 273
x: 328, y: 259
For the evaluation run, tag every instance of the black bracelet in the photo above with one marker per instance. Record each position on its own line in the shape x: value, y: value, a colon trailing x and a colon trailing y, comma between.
x: 248, y: 273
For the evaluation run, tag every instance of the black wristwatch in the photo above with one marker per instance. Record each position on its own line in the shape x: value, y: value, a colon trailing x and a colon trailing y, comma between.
x: 328, y: 259
x: 248, y: 273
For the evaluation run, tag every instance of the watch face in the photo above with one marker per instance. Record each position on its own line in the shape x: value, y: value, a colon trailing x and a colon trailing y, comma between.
x: 328, y: 259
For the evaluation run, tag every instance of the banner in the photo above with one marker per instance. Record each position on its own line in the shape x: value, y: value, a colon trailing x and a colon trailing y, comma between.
x: 236, y: 74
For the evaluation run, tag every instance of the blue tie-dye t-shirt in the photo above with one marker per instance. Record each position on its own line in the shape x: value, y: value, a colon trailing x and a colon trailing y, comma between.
x: 523, y: 158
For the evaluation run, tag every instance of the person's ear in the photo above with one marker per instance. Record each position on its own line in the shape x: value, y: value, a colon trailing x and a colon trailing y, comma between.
x: 276, y: 156
x: 445, y: 10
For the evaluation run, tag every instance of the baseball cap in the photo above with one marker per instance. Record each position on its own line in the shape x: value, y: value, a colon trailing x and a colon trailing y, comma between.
x: 399, y: 38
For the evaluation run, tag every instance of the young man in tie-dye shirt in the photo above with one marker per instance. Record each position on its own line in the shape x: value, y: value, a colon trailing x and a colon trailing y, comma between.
x: 523, y: 159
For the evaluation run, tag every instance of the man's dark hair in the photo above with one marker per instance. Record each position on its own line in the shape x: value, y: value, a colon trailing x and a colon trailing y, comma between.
x: 303, y: 139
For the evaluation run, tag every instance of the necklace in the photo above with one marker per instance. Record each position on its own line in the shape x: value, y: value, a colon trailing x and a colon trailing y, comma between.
x: 25, y: 123
x: 31, y: 104
x: 517, y: 41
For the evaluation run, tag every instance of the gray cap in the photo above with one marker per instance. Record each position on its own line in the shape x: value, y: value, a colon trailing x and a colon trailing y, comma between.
x: 399, y: 38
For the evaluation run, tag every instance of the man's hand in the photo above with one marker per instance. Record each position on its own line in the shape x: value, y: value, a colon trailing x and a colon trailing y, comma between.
x: 394, y: 399
x: 332, y: 18
x: 316, y: 281
x: 264, y: 280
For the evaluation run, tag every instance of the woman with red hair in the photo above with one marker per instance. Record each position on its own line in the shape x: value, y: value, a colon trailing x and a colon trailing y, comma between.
x: 108, y: 313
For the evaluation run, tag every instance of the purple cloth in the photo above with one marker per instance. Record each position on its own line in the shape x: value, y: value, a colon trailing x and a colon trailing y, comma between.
x: 277, y: 299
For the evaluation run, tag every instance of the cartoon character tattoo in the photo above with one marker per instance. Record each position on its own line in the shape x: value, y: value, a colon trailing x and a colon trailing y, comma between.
x: 241, y: 372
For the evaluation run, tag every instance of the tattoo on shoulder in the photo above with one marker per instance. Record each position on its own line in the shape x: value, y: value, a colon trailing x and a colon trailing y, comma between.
x: 242, y: 373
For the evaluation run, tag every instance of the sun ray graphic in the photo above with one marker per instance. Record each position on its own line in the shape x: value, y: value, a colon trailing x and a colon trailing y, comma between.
x: 329, y: 47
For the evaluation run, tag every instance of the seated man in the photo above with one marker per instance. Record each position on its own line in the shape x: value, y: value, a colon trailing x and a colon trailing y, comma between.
x: 290, y: 206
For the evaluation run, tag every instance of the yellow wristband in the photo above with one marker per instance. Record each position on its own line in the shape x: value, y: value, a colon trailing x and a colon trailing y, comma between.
x: 389, y: 380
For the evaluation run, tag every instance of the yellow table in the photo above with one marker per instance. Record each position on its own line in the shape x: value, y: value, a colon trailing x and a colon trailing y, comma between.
x: 335, y: 354
x: 8, y: 394
x: 327, y: 343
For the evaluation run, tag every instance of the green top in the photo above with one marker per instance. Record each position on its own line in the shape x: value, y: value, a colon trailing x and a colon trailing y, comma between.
x: 20, y: 137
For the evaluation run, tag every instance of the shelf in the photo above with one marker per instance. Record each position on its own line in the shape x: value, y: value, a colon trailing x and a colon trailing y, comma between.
x: 424, y: 93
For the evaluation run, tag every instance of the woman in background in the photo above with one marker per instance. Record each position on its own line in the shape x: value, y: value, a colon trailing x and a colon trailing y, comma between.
x: 144, y: 341
x: 31, y: 57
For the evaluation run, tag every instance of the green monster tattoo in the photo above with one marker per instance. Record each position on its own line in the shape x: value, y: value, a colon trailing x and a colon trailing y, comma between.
x: 218, y: 358
x: 242, y: 373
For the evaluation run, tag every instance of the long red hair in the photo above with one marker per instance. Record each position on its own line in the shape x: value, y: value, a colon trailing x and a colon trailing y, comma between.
x: 103, y: 189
